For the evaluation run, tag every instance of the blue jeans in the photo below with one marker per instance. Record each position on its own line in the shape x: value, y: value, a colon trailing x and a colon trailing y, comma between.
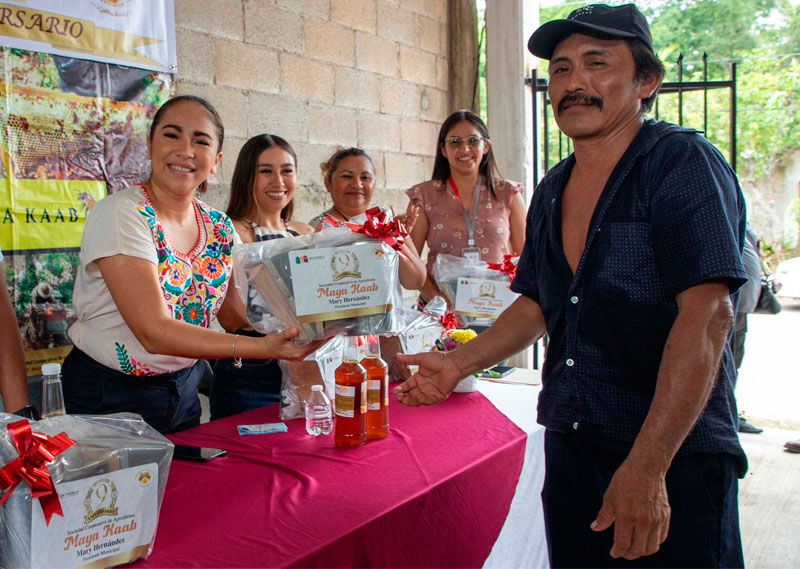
x: 702, y: 490
x: 167, y: 402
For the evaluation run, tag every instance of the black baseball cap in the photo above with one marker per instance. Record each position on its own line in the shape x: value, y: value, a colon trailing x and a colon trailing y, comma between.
x: 624, y: 21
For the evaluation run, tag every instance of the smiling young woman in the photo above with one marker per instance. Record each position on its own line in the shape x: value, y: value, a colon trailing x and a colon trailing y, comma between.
x: 261, y: 205
x: 466, y: 204
x: 155, y: 270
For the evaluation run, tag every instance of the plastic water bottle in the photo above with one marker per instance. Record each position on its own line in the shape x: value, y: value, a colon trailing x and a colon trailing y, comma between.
x: 319, y: 418
x: 52, y: 393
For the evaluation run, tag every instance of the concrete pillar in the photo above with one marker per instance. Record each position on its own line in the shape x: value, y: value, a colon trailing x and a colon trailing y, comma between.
x: 509, y: 24
x: 462, y: 22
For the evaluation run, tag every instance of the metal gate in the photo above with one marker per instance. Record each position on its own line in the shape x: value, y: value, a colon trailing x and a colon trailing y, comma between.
x: 542, y: 122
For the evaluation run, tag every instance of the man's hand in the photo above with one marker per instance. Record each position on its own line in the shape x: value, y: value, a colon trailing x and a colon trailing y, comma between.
x: 436, y: 378
x: 636, y: 500
x: 636, y: 503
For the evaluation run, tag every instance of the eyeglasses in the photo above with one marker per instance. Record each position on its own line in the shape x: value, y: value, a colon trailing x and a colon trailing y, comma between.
x: 471, y: 140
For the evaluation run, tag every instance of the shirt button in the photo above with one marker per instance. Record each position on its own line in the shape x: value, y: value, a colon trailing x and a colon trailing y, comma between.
x: 570, y: 362
x: 575, y: 425
x: 574, y: 300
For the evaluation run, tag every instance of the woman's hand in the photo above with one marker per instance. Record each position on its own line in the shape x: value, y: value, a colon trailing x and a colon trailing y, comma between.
x: 429, y: 290
x: 409, y: 218
x: 281, y: 345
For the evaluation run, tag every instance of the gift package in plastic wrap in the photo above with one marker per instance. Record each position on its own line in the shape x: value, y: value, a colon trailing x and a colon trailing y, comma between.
x: 334, y: 282
x: 80, y: 490
x: 420, y: 332
x: 318, y: 368
x: 478, y: 291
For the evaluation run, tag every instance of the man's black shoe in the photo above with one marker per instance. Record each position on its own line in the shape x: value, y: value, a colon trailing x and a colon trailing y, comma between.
x: 745, y: 427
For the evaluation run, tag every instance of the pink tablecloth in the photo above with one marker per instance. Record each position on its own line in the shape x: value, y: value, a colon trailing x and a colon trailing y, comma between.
x: 435, y: 493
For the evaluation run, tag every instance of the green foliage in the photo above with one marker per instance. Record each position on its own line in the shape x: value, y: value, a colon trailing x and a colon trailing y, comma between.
x: 49, y: 72
x: 56, y: 269
x: 769, y: 121
x: 762, y: 36
x: 157, y: 90
x: 721, y: 28
x: 482, y: 97
x: 561, y: 11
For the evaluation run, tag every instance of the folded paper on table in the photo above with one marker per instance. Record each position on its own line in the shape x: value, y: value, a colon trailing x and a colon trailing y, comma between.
x: 478, y: 292
x: 334, y: 282
x: 110, y: 485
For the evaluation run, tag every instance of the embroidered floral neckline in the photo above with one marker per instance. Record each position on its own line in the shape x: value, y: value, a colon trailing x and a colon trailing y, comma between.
x: 201, y: 238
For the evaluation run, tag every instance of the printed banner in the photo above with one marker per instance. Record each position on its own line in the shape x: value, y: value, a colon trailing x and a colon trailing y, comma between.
x: 138, y: 33
x: 71, y: 131
x: 44, y: 213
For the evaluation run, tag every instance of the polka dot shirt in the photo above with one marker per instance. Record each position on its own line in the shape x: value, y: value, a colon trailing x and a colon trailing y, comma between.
x: 670, y: 217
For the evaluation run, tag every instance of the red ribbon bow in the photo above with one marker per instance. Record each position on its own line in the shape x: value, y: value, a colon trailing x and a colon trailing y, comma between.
x: 449, y: 320
x: 378, y: 225
x: 36, y: 451
x: 507, y: 267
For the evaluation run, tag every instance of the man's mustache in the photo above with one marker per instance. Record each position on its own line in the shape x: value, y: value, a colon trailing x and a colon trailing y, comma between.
x: 580, y: 99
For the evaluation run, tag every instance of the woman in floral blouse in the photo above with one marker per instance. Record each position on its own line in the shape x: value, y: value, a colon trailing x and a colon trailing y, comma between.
x: 155, y: 269
x: 466, y: 209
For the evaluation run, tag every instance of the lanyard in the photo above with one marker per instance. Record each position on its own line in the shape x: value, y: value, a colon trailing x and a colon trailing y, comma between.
x: 469, y: 219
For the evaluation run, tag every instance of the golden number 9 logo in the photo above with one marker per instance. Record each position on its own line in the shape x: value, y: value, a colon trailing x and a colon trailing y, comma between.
x: 343, y: 260
x: 101, y: 492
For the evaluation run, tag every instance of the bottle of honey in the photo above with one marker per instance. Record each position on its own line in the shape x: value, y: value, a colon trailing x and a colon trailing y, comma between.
x: 351, y: 399
x: 377, y: 389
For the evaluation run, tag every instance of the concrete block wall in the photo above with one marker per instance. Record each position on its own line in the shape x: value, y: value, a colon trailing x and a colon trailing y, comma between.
x: 322, y: 74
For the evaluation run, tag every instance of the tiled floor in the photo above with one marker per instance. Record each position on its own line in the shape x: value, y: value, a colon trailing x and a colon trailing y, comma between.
x: 768, y: 392
x: 769, y: 501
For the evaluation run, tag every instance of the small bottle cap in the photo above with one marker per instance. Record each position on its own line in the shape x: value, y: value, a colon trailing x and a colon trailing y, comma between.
x: 317, y: 387
x: 51, y: 369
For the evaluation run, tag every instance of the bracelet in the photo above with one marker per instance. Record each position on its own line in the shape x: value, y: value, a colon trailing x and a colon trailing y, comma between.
x: 237, y: 362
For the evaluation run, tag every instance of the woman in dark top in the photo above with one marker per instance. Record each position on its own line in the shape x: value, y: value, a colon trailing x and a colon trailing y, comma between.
x: 261, y: 202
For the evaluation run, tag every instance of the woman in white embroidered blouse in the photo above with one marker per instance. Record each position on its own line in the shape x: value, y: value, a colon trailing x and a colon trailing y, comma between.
x: 155, y: 270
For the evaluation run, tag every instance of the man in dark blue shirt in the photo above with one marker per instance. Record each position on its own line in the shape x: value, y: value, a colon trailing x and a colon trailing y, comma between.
x: 631, y: 264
